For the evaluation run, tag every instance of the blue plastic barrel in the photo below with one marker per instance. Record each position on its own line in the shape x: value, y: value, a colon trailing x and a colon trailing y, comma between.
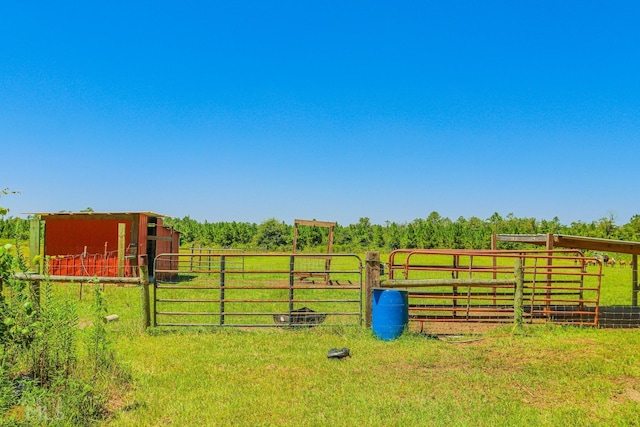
x: 389, y: 313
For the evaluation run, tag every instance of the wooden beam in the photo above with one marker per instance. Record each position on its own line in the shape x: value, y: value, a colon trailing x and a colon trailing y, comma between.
x: 314, y: 223
x: 536, y: 239
x: 590, y: 243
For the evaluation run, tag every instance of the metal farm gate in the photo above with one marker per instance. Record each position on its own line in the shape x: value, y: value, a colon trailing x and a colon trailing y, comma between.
x: 560, y: 286
x: 251, y: 290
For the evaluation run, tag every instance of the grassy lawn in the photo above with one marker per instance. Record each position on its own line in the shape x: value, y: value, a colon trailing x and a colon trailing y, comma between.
x: 547, y: 375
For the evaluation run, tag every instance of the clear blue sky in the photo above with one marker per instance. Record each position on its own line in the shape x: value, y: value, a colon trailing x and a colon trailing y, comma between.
x: 333, y: 110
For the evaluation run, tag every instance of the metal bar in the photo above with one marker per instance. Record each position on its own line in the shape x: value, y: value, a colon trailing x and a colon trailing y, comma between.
x: 155, y: 301
x: 227, y: 300
x: 206, y: 313
x: 76, y: 279
x: 222, y: 268
x: 291, y: 282
x: 242, y: 325
x: 455, y: 298
x: 410, y: 283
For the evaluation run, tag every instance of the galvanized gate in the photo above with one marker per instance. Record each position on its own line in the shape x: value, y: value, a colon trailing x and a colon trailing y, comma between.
x: 251, y: 290
x: 560, y: 286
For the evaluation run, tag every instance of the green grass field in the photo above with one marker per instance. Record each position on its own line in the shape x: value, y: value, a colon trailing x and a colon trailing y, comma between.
x: 546, y: 375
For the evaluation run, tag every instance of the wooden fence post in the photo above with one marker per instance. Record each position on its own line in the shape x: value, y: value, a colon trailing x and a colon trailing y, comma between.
x: 144, y: 290
x: 518, y: 297
x: 34, y: 245
x: 372, y: 280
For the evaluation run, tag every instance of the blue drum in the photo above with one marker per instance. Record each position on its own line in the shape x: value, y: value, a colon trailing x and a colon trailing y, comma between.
x: 389, y: 313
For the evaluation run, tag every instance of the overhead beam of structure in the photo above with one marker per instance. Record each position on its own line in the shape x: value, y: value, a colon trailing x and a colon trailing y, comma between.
x: 574, y: 242
x: 619, y: 246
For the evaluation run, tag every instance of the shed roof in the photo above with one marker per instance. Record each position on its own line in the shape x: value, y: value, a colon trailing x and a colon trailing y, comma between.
x: 45, y: 215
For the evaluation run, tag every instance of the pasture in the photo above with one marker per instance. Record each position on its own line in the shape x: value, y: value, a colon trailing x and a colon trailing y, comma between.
x: 545, y: 375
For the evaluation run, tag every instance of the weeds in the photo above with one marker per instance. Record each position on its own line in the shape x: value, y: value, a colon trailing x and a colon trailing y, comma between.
x: 43, y: 380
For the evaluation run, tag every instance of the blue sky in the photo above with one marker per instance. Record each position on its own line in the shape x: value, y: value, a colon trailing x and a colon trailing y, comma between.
x: 244, y: 111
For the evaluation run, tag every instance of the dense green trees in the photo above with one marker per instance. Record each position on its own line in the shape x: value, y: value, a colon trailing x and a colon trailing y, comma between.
x: 434, y: 231
x: 12, y: 227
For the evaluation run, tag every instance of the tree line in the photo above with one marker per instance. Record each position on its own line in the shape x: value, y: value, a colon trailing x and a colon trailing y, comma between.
x: 432, y: 232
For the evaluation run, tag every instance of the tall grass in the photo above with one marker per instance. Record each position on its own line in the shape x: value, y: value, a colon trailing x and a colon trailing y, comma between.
x: 44, y: 379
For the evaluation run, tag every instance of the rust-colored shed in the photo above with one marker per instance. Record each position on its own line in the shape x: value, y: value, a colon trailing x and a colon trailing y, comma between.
x: 105, y: 244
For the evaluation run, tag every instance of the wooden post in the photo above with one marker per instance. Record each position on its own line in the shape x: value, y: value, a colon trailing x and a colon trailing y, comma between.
x: 372, y: 280
x: 122, y: 227
x: 34, y: 244
x: 144, y: 291
x: 518, y: 296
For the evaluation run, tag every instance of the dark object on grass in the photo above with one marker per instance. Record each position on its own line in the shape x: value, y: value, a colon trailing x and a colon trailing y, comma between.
x: 301, y: 317
x: 334, y: 353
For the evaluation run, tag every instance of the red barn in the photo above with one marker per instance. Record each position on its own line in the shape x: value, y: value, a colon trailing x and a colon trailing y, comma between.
x: 111, y: 244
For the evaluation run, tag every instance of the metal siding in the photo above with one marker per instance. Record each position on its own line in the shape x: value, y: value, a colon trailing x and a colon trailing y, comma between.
x: 70, y: 236
x: 142, y: 237
x: 163, y: 246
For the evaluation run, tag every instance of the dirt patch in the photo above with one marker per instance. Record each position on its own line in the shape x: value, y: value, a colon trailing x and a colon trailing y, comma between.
x: 454, y: 328
x: 632, y: 394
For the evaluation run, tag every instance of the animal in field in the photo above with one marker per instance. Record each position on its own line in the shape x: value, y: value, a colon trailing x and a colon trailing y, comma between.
x: 622, y: 263
x: 611, y: 262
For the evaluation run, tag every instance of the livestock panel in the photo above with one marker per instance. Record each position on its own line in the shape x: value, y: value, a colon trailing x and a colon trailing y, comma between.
x: 479, y: 286
x: 255, y: 290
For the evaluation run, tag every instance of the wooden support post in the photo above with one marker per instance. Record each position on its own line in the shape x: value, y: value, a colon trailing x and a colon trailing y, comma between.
x: 34, y: 244
x: 122, y: 227
x: 144, y: 291
x: 372, y: 280
x: 518, y: 297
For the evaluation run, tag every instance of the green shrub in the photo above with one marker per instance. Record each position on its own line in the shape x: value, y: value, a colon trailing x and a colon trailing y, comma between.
x: 43, y: 380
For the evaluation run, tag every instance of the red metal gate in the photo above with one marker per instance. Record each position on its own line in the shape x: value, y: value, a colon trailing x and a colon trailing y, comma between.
x: 478, y: 286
